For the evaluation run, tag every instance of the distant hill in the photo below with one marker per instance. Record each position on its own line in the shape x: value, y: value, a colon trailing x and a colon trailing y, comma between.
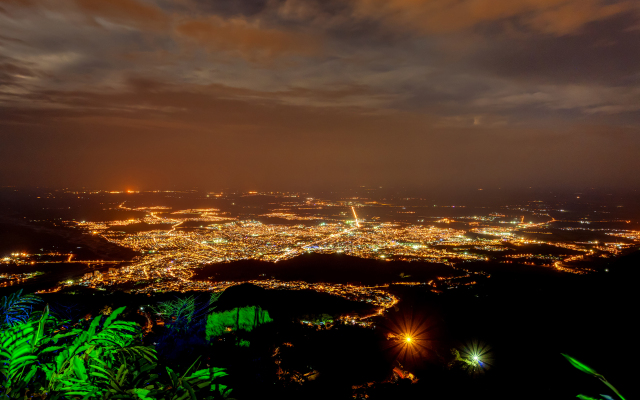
x: 287, y: 304
x: 326, y: 268
x: 627, y: 265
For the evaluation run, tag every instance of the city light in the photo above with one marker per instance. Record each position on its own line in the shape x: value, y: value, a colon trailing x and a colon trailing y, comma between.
x: 476, y: 357
x: 179, y: 241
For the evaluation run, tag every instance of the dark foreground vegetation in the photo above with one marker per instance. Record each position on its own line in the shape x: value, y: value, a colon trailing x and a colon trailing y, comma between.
x: 501, y: 339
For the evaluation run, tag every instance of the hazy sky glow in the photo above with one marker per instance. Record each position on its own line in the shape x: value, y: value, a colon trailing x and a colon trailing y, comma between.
x: 294, y: 93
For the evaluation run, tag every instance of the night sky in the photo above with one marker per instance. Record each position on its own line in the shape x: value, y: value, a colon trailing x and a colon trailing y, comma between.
x: 262, y: 94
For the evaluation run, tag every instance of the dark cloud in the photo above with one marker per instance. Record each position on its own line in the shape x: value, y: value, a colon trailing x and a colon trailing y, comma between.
x: 12, y: 74
x: 605, y: 51
x: 362, y: 91
x: 287, y: 9
x: 249, y: 41
x: 10, y: 39
x: 127, y: 11
x: 556, y: 17
x: 231, y: 8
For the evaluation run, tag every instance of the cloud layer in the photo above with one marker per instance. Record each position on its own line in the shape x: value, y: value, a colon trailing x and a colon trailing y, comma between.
x: 359, y: 91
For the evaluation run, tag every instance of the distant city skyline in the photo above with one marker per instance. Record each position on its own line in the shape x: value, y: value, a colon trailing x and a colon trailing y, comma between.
x: 170, y: 239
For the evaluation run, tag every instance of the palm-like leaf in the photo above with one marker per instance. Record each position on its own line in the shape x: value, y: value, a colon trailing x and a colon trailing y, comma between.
x: 17, y: 308
x: 19, y: 346
x: 580, y: 366
x: 102, y: 360
x: 586, y: 369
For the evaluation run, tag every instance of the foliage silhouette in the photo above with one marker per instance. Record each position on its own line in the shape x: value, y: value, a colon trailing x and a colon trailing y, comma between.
x: 17, y: 308
x: 588, y: 370
x: 41, y: 356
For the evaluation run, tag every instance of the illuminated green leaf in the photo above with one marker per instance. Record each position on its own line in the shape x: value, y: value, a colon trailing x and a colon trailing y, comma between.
x: 44, y: 357
x: 113, y: 316
x: 577, y: 364
x: 79, y: 368
x: 190, y: 389
x: 174, y: 379
x: 244, y: 318
x: 143, y: 394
